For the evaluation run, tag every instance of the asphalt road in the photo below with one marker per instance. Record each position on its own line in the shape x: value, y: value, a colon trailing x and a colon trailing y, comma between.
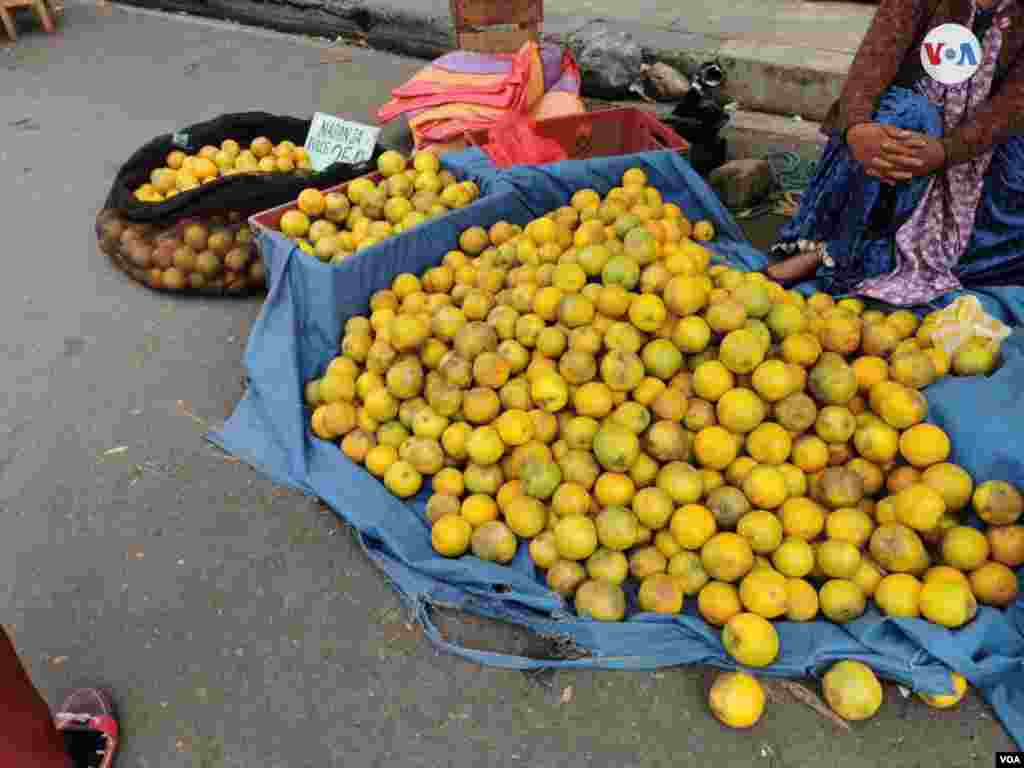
x: 238, y: 624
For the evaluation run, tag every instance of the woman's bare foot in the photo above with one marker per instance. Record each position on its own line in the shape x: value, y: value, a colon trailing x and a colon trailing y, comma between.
x: 795, y: 268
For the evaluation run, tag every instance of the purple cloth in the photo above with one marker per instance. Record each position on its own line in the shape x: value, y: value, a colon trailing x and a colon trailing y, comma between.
x: 472, y: 63
x: 551, y: 59
x: 569, y: 82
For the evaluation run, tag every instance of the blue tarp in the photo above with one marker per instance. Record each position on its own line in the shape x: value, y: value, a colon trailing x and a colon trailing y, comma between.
x: 298, y: 332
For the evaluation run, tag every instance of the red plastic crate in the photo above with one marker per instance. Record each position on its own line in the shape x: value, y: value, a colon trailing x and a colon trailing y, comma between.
x: 271, y: 218
x: 595, y: 134
x: 603, y: 134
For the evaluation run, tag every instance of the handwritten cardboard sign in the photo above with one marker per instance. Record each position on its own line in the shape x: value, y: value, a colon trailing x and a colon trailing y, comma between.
x: 333, y: 140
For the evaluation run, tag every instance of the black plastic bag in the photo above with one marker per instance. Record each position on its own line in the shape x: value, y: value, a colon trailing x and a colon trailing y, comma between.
x: 245, y: 193
x: 611, y: 61
x: 699, y: 118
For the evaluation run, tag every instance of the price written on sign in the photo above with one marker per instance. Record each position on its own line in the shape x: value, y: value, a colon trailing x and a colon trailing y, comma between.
x: 333, y: 140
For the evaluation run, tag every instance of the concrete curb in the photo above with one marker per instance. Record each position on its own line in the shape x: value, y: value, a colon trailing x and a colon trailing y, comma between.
x: 764, y: 77
x: 755, y: 134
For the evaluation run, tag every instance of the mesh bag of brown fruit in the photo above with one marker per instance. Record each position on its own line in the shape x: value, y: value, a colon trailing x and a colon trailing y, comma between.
x: 213, y: 255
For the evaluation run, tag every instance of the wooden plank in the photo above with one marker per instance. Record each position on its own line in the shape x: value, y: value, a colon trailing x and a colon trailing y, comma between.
x: 40, y: 8
x: 497, y: 41
x: 8, y: 22
x: 468, y: 14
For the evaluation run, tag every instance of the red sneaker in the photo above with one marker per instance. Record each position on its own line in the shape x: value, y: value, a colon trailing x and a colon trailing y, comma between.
x: 88, y: 721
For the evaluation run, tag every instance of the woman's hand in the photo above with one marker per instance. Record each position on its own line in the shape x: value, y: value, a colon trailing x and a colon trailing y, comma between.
x: 865, y: 142
x: 922, y: 154
x: 894, y: 155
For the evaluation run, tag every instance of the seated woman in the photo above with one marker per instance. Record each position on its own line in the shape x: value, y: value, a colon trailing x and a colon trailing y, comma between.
x: 921, y: 187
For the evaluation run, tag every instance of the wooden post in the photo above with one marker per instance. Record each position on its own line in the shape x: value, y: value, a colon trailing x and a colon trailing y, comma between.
x: 40, y: 8
x: 8, y: 20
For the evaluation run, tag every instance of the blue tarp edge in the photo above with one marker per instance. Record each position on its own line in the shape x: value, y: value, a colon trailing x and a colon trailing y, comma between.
x: 298, y: 331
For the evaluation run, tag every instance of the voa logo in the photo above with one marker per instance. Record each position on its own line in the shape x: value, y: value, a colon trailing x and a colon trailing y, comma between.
x: 1008, y: 758
x: 951, y: 54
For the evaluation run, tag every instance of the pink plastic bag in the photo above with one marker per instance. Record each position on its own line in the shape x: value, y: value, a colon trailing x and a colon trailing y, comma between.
x: 515, y: 141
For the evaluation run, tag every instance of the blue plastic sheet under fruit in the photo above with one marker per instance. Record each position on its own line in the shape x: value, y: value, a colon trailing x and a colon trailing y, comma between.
x: 298, y: 332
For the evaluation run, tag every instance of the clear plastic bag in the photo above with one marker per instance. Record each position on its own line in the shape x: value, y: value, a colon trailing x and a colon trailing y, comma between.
x: 963, y: 320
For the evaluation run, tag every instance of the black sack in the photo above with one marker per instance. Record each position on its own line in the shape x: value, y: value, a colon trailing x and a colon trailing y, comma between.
x: 699, y: 118
x: 245, y: 192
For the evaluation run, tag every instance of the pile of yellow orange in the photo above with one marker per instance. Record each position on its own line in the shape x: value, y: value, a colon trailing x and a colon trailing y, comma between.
x: 182, y: 172
x: 334, y: 225
x: 591, y: 387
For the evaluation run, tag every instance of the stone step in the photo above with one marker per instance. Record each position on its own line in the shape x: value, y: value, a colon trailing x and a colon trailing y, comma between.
x: 757, y: 134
